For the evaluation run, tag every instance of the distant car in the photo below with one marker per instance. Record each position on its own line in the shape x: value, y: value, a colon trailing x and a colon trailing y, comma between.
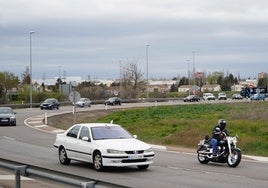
x: 102, y: 145
x: 113, y: 101
x: 83, y: 102
x: 222, y: 96
x: 208, y: 96
x: 257, y: 97
x: 50, y: 104
x: 237, y: 97
x: 191, y: 98
x: 7, y: 116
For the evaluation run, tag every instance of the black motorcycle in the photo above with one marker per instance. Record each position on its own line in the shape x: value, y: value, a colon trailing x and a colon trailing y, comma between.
x: 227, y: 152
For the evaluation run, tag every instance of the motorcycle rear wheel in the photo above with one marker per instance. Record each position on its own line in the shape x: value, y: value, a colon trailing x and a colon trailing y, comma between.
x: 234, y: 158
x: 202, y: 159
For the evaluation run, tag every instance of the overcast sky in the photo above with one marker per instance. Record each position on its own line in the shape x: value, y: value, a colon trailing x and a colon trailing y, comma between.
x: 91, y: 37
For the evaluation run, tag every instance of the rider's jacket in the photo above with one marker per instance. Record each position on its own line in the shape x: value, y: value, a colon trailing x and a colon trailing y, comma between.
x: 217, y: 132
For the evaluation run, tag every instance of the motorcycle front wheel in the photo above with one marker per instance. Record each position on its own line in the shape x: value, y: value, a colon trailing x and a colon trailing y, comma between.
x: 234, y: 158
x: 202, y: 159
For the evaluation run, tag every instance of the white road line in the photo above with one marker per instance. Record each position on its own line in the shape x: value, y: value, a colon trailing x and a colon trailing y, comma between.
x: 12, y: 177
x: 9, y: 138
x: 40, y: 126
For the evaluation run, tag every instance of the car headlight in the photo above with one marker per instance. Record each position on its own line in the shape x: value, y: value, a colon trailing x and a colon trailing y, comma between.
x: 114, y: 151
x: 12, y: 117
x: 148, y: 150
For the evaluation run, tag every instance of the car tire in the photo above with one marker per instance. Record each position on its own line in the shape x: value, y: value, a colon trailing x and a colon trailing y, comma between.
x: 63, y: 158
x: 97, y: 161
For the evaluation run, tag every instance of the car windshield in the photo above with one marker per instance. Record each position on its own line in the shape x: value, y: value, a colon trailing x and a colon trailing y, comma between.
x: 109, y: 132
x: 5, y: 111
x: 48, y: 101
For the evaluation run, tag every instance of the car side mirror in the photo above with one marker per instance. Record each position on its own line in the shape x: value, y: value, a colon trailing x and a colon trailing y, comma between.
x: 85, y: 138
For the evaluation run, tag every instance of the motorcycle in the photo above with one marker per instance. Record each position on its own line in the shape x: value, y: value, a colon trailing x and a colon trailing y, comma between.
x: 227, y: 152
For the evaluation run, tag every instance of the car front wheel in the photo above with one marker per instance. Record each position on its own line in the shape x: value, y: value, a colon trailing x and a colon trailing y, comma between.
x: 97, y: 161
x: 63, y: 157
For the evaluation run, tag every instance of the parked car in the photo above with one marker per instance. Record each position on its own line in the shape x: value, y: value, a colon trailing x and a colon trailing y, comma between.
x: 237, y: 97
x: 83, y: 102
x: 103, y: 145
x: 208, y: 96
x: 257, y: 97
x: 50, y: 104
x: 222, y: 96
x: 113, y: 101
x: 191, y: 98
x: 7, y: 116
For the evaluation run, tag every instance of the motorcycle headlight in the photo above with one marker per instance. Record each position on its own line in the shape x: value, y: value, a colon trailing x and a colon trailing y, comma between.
x: 114, y: 151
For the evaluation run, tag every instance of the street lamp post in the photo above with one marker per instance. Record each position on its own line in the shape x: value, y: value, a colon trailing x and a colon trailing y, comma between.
x: 189, y: 75
x: 194, y: 73
x: 147, y: 83
x: 31, y: 86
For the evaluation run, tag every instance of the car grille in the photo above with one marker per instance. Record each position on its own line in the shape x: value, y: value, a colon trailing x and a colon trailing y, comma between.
x: 4, y: 120
x: 135, y: 152
x: 134, y: 160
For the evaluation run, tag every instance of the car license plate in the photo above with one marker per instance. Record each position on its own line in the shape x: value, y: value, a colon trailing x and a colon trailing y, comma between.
x: 4, y: 120
x: 135, y: 157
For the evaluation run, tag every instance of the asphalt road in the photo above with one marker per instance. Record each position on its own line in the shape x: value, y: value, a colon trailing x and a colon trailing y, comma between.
x: 170, y: 168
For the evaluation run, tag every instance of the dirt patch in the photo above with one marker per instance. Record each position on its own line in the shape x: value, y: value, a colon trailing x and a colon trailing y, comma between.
x: 64, y: 121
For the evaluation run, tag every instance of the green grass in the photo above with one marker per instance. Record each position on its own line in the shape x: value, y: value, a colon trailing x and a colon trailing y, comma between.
x: 185, y: 125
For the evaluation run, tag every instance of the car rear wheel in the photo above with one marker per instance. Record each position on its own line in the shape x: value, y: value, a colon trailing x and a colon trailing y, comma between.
x: 97, y: 161
x: 63, y: 157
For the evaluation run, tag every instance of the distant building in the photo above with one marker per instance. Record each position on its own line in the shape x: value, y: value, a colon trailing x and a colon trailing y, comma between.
x: 191, y: 89
x: 161, y: 85
x: 211, y: 88
x: 237, y: 87
x: 262, y: 75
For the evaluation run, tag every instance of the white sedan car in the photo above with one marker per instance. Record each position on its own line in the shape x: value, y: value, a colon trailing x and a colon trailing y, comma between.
x: 103, y: 145
x: 83, y: 102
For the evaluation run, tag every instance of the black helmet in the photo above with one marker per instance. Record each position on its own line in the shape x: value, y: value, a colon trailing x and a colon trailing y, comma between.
x: 222, y: 123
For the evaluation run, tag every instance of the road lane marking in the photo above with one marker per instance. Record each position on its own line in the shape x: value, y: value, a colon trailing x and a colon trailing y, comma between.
x: 12, y: 177
x: 9, y: 138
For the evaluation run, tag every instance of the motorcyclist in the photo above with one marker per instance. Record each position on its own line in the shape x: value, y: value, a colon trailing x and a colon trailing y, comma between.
x: 217, y: 135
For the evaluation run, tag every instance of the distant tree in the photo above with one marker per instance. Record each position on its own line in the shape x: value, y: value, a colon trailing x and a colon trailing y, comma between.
x: 183, y: 81
x: 174, y: 88
x: 8, y: 81
x: 131, y: 80
x: 26, y: 76
x: 263, y: 82
x: 213, y: 77
x: 227, y: 83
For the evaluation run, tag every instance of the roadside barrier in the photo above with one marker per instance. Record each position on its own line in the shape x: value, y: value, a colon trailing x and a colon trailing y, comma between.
x: 61, y: 177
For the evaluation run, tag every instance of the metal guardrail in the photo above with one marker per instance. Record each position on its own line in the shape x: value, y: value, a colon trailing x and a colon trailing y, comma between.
x: 34, y: 171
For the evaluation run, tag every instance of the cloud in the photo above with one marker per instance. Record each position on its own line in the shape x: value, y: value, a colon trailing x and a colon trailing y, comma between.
x: 91, y: 37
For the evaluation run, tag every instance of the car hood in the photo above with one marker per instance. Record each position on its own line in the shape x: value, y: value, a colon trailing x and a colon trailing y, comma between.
x: 46, y: 103
x: 123, y: 144
x: 7, y: 115
x: 80, y: 102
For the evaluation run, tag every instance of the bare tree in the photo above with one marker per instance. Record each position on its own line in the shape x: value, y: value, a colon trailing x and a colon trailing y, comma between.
x: 132, y: 82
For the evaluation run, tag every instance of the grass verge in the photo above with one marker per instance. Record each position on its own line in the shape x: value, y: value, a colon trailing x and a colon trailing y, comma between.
x: 185, y: 125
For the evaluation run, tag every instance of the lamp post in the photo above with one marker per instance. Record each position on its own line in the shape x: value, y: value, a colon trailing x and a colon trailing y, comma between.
x: 189, y: 75
x: 194, y: 73
x: 147, y: 83
x: 31, y: 86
